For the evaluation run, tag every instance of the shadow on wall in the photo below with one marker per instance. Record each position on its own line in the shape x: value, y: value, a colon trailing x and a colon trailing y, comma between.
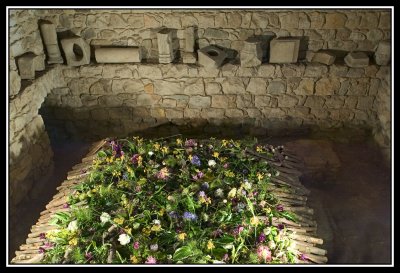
x: 94, y: 124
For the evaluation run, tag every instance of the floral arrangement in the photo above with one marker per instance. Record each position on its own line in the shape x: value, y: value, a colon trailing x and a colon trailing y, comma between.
x: 173, y: 201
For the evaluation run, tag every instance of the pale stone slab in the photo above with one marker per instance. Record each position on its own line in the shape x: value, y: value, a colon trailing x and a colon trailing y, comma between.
x: 356, y: 59
x: 49, y: 36
x: 382, y: 53
x: 189, y: 39
x: 211, y: 56
x: 324, y: 57
x: 118, y: 55
x: 189, y: 57
x: 26, y: 66
x: 165, y: 47
x: 284, y: 50
x: 251, y: 54
x: 40, y: 62
x: 72, y: 46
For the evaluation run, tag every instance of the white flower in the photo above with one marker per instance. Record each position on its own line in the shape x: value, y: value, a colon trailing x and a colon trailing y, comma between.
x: 156, y: 222
x: 211, y: 163
x: 124, y: 239
x: 247, y: 185
x: 225, y: 201
x: 105, y: 217
x: 73, y: 226
x: 150, y: 153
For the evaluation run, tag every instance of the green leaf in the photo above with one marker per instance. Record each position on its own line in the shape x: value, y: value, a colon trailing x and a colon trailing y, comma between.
x: 182, y: 253
x: 226, y: 239
x: 101, y: 154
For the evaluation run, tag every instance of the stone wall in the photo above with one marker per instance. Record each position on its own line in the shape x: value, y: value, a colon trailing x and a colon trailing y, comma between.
x: 119, y: 99
x: 29, y: 146
x: 124, y: 98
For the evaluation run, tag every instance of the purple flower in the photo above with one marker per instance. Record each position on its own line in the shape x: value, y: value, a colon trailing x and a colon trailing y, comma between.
x: 261, y: 238
x: 190, y: 143
x: 189, y: 216
x: 65, y: 206
x: 150, y: 260
x: 136, y: 245
x: 226, y: 165
x: 237, y: 230
x: 195, y: 160
x: 279, y: 207
x: 202, y: 194
x: 41, y: 250
x: 88, y: 256
x: 135, y: 158
x: 125, y: 176
x: 226, y: 257
x: 48, y: 245
x: 264, y: 254
x: 200, y: 174
x: 117, y: 149
x: 42, y: 235
x: 216, y: 233
x: 281, y: 226
x: 303, y: 257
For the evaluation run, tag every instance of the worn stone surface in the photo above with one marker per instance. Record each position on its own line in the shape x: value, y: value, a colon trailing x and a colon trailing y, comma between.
x: 284, y: 50
x: 383, y: 53
x: 324, y: 57
x: 118, y: 55
x: 74, y: 59
x: 166, y: 52
x: 26, y: 66
x: 356, y: 59
x: 211, y: 56
x: 251, y: 53
x: 49, y: 34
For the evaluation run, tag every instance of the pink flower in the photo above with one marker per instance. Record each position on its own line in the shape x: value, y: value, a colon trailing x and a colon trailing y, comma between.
x: 264, y: 254
x: 150, y: 260
x: 226, y: 165
x: 163, y: 174
x: 136, y: 245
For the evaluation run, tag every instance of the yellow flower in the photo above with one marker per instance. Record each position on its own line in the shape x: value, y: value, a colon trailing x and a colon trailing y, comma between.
x: 128, y: 230
x: 210, y: 245
x: 224, y: 142
x: 232, y: 193
x: 182, y: 236
x: 134, y: 260
x: 73, y: 241
x: 130, y: 171
x: 190, y: 157
x: 165, y: 150
x: 116, y: 173
x: 223, y: 159
x: 142, y: 181
x: 139, y: 160
x: 260, y: 176
x: 179, y: 141
x: 229, y: 173
x: 146, y: 231
x: 110, y: 159
x: 216, y: 154
x: 156, y: 146
x: 259, y: 149
x: 254, y: 221
x: 156, y: 228
x: 161, y: 212
x: 119, y: 221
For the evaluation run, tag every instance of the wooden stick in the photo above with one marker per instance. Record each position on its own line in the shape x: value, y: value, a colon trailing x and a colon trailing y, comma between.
x: 306, y: 238
x: 310, y: 249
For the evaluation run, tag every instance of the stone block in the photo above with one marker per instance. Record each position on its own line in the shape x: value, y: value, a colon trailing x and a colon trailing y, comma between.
x: 284, y: 50
x: 189, y: 57
x: 77, y: 51
x: 165, y: 46
x: 251, y: 54
x: 211, y: 56
x: 199, y: 102
x: 39, y: 62
x: 356, y: 59
x: 382, y: 53
x: 324, y: 57
x: 15, y: 83
x: 26, y: 66
x: 118, y: 55
x: 189, y: 39
x: 49, y: 36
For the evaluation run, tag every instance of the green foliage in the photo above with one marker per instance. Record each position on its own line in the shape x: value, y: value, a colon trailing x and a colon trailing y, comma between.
x: 172, y: 201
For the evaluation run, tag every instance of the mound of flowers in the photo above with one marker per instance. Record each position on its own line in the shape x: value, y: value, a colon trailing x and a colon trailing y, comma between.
x: 173, y: 201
